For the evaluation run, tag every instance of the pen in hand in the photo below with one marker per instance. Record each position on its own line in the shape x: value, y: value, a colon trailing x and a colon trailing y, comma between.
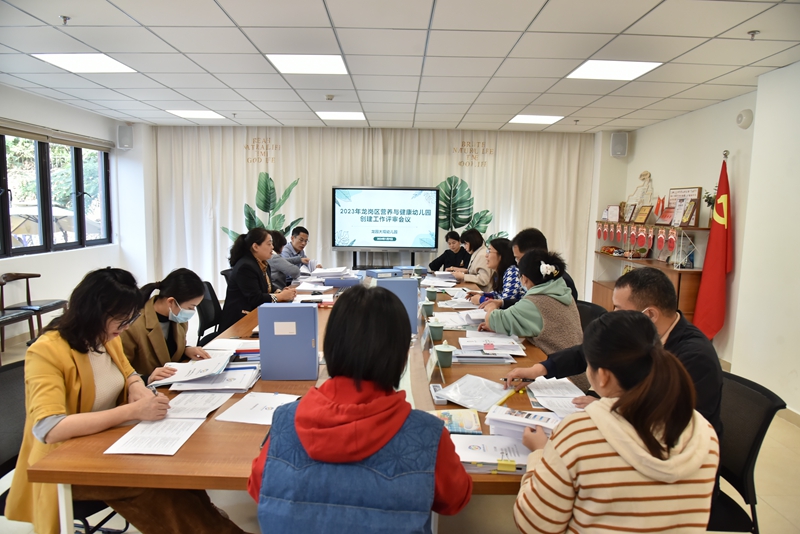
x: 153, y: 389
x: 518, y: 379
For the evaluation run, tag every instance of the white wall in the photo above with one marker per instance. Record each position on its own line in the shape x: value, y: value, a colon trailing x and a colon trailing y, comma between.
x: 764, y: 344
x: 687, y: 151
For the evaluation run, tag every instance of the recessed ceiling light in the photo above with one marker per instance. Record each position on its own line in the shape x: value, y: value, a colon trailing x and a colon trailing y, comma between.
x: 84, y: 63
x: 536, y: 119
x: 195, y: 114
x: 302, y: 64
x: 341, y: 115
x: 612, y: 70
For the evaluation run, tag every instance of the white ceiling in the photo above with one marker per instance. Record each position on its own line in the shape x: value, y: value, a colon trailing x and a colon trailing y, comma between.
x: 468, y: 64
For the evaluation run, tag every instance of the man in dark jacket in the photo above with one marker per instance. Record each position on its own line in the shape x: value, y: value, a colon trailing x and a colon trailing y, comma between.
x: 650, y: 291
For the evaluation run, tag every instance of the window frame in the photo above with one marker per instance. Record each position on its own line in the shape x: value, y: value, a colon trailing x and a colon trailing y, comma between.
x: 44, y: 188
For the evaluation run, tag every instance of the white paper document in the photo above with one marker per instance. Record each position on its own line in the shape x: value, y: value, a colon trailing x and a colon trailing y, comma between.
x: 305, y: 286
x: 457, y: 304
x: 480, y: 453
x: 457, y: 293
x: 196, y: 405
x: 331, y: 272
x: 235, y: 380
x: 556, y: 394
x: 223, y: 344
x: 492, y: 345
x: 162, y: 438
x: 432, y: 281
x: 562, y: 406
x: 256, y: 408
x: 474, y: 392
x: 314, y: 298
x: 193, y: 370
x: 444, y: 275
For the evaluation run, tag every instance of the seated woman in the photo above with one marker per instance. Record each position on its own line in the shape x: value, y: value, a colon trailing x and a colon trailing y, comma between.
x: 454, y: 256
x: 352, y: 455
x: 547, y: 315
x: 250, y: 279
x: 639, y: 457
x: 477, y: 271
x: 281, y: 271
x: 167, y: 313
x: 505, y: 280
x: 78, y: 382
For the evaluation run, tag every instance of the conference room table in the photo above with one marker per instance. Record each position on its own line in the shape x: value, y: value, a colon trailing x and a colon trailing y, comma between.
x: 219, y: 454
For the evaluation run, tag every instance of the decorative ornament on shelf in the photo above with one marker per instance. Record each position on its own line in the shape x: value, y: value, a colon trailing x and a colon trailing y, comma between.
x: 643, y: 195
x: 710, y: 198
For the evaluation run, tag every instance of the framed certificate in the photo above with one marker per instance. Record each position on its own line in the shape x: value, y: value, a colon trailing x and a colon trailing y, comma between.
x: 688, y: 193
x: 688, y: 212
x: 630, y: 210
x: 613, y: 213
x: 642, y: 214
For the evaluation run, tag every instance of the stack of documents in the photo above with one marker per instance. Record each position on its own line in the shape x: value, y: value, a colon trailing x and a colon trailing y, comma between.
x: 475, y: 393
x: 193, y: 370
x: 504, y: 421
x: 492, y: 343
x: 480, y: 357
x: 556, y: 394
x: 457, y: 293
x: 332, y: 272
x: 256, y: 408
x: 237, y: 377
x: 435, y: 281
x: 491, y: 454
x: 457, y: 304
x: 459, y: 421
x: 320, y: 299
x: 308, y: 287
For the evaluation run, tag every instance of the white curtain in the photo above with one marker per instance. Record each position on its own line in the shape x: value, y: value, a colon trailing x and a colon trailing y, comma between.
x: 207, y: 174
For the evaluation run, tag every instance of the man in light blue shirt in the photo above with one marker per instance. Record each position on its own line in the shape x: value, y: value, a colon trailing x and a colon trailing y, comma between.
x: 294, y: 251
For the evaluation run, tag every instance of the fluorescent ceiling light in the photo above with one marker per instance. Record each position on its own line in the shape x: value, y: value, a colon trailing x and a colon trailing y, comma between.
x: 536, y: 119
x: 612, y: 70
x: 84, y: 63
x: 341, y: 115
x: 195, y: 114
x: 301, y: 64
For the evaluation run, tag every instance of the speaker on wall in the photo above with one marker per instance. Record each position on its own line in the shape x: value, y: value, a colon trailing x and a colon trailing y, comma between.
x: 125, y: 137
x: 619, y: 144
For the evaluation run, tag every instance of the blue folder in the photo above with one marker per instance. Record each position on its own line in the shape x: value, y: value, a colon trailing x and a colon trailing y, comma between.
x: 407, y: 289
x: 384, y: 273
x: 288, y: 341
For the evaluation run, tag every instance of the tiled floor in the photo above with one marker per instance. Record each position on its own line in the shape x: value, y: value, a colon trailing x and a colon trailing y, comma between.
x: 777, y: 482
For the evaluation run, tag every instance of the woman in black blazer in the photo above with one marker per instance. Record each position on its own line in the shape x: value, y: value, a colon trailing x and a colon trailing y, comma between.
x: 250, y: 285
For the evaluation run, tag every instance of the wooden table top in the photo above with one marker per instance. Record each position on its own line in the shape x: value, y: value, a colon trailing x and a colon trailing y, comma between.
x: 219, y: 455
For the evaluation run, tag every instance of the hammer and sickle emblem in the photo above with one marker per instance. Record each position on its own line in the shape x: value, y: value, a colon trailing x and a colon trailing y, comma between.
x: 723, y: 219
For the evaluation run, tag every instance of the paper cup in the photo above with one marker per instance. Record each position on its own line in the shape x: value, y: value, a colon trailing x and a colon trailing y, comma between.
x: 437, y: 330
x: 444, y: 353
x: 432, y: 294
x: 427, y: 308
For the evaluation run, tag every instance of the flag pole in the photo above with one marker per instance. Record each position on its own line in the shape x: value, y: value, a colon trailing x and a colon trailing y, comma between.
x: 725, y: 154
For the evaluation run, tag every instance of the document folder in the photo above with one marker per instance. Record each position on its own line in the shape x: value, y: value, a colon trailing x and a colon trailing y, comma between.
x: 288, y: 340
x: 407, y: 290
x: 384, y: 273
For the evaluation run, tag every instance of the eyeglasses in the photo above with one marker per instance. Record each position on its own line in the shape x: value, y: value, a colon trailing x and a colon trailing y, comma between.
x: 302, y: 240
x: 130, y: 321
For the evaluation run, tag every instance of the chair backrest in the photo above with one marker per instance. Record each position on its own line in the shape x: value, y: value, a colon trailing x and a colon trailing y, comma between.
x: 12, y: 401
x: 589, y: 311
x: 12, y: 277
x: 747, y: 410
x: 226, y: 273
x: 208, y: 311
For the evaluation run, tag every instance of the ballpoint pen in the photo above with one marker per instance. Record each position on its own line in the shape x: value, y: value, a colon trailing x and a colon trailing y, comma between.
x: 520, y: 379
x: 153, y: 389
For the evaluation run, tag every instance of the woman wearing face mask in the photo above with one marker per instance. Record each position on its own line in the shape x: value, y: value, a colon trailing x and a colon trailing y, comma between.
x: 159, y: 334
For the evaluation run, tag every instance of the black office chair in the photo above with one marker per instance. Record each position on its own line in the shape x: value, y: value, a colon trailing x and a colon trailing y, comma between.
x: 12, y: 399
x: 747, y: 411
x: 226, y: 273
x: 209, y: 312
x: 589, y: 311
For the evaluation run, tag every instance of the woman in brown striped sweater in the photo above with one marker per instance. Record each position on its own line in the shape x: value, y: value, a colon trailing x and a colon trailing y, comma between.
x: 640, y: 459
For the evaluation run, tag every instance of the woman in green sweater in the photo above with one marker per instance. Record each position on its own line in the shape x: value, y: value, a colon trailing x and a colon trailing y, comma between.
x: 547, y: 315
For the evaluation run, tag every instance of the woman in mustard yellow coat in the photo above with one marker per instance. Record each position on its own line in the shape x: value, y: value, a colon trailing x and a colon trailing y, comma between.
x: 78, y: 382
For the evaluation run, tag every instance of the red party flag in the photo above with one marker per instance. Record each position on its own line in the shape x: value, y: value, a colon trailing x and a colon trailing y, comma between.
x: 709, y: 313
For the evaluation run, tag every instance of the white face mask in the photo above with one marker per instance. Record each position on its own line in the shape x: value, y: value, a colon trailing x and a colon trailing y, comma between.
x: 184, y: 316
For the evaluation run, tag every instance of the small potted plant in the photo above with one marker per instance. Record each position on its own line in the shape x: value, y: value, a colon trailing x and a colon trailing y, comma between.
x: 710, y: 198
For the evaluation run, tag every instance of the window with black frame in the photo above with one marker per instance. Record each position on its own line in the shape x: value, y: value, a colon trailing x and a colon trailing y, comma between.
x: 53, y: 196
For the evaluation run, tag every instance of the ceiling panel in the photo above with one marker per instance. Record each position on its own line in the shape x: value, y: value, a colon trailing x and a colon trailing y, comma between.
x: 388, y: 108
x: 447, y: 98
x: 489, y: 117
x: 647, y: 48
x: 386, y: 83
x: 128, y: 80
x: 533, y: 109
x: 233, y: 63
x: 272, y: 95
x: 506, y: 98
x: 257, y: 122
x: 319, y: 81
x: 584, y: 120
x: 207, y: 40
x: 151, y: 94
x: 537, y: 68
x: 81, y: 12
x: 16, y: 82
x: 781, y: 59
x: 253, y: 81
x: 403, y: 97
x: 426, y: 125
x: 409, y: 14
x: 187, y: 80
x: 335, y: 106
x: 662, y: 90
x: 608, y: 16
x: 512, y: 126
x: 716, y: 92
x: 12, y: 63
x: 147, y: 63
x: 11, y: 16
x: 317, y: 95
x: 391, y: 124
x: 471, y: 44
x: 465, y: 125
x: 782, y: 22
x: 656, y: 114
x: 51, y: 93
x: 606, y: 113
x: 302, y: 123
x: 382, y: 42
x: 442, y: 108
x: 564, y: 100
x: 281, y: 106
x: 452, y: 83
x: 385, y: 65
x: 676, y: 72
x: 459, y: 66
x: 560, y: 45
x: 519, y: 85
x: 175, y: 12
x: 59, y: 80
x: 504, y: 15
x: 567, y: 128
x: 623, y: 102
x: 97, y: 94
x: 681, y: 104
x: 586, y: 87
x: 733, y: 52
x: 308, y: 13
x: 210, y: 94
x: 743, y: 76
x: 692, y: 18
x: 305, y: 115
x: 84, y: 104
x: 241, y: 115
x: 153, y: 114
x: 175, y: 121
x: 496, y: 109
x: 630, y: 123
x: 126, y: 104
x: 41, y: 40
x: 174, y: 104
x: 7, y: 50
x: 293, y: 40
x: 227, y: 105
x: 378, y: 116
x: 116, y: 39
